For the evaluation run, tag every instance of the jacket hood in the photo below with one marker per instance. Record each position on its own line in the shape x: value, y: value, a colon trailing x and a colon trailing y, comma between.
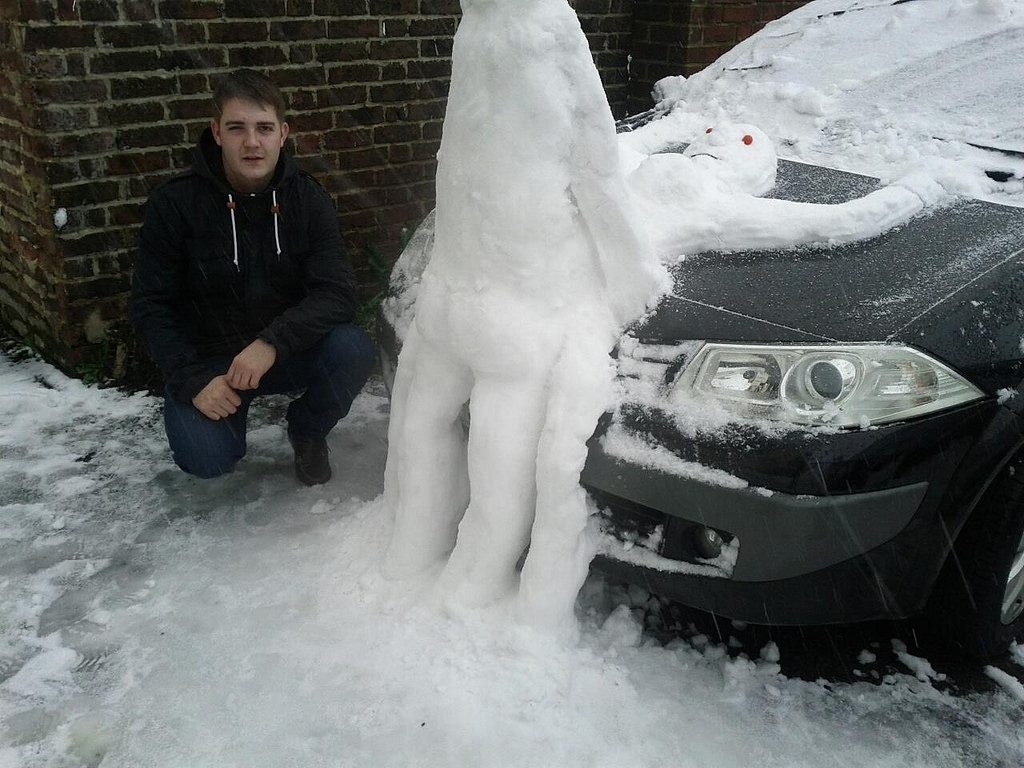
x: 208, y: 163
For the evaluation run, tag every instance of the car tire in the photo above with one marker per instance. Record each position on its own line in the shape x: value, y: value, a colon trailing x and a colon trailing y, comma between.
x: 968, y: 612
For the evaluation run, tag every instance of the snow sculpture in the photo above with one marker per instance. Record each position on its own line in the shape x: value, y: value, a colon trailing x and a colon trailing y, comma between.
x: 536, y: 265
x: 707, y: 198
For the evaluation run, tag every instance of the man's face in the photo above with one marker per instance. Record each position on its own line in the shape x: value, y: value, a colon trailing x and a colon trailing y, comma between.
x: 250, y: 136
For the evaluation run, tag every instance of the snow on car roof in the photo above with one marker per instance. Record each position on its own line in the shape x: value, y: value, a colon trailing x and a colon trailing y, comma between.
x: 879, y: 88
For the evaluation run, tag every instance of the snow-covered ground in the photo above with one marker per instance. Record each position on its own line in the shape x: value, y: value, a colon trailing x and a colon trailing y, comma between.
x: 147, y: 619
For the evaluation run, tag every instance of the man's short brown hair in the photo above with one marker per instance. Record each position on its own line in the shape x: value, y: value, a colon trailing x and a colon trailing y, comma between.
x: 251, y: 86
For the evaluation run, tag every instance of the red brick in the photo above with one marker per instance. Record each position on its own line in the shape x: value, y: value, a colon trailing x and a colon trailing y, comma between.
x: 429, y: 69
x: 99, y: 10
x: 437, y: 48
x: 299, y: 7
x: 396, y: 134
x: 126, y: 114
x: 347, y: 29
x: 239, y: 32
x: 391, y: 7
x: 354, y: 73
x: 257, y: 56
x: 136, y: 35
x: 426, y: 150
x: 84, y: 194
x: 432, y: 130
x: 393, y: 70
x: 340, y: 8
x: 126, y: 214
x: 308, y: 144
x: 298, y: 76
x: 139, y: 10
x: 125, y: 61
x: 81, y: 144
x: 190, y: 84
x: 98, y: 287
x: 332, y: 97
x: 361, y: 158
x: 60, y: 36
x: 184, y: 109
x: 47, y: 65
x: 301, y: 54
x: 142, y: 87
x: 123, y: 164
x: 150, y: 136
x: 394, y: 92
x: 364, y: 115
x: 342, y: 51
x: 739, y: 13
x: 288, y: 31
x: 440, y: 7
x: 348, y: 139
x: 300, y: 100
x: 253, y: 8
x: 389, y: 50
x: 190, y: 9
x: 399, y: 153
x: 315, y: 121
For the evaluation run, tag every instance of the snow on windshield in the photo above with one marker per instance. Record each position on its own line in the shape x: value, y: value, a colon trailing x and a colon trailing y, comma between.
x: 878, y: 88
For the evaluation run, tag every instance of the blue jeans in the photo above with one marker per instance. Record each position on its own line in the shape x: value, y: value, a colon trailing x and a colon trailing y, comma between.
x: 332, y: 372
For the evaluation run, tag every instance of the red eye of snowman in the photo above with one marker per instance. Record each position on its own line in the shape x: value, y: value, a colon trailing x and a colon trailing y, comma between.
x: 708, y: 131
x: 748, y: 139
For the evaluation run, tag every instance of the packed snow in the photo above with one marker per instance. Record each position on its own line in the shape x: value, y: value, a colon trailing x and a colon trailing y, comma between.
x: 537, y: 262
x: 243, y: 622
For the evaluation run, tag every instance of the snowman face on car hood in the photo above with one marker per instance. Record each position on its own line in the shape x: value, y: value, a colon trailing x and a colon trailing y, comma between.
x: 740, y: 155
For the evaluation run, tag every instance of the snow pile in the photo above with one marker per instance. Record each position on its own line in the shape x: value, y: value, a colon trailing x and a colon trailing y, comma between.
x: 880, y: 88
x: 536, y: 264
x: 243, y: 622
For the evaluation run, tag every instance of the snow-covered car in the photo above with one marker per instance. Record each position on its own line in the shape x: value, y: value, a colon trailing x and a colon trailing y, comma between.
x: 832, y: 432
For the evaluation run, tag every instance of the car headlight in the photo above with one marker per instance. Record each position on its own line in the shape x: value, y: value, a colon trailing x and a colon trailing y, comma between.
x: 846, y: 386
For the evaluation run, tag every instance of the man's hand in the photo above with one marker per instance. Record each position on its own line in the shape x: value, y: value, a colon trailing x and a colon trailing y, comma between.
x: 250, y: 364
x: 217, y: 400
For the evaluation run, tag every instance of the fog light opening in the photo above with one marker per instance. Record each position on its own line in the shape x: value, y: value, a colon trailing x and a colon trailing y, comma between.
x: 707, y: 542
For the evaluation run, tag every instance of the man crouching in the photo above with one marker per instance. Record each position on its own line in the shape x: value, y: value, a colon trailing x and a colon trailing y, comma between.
x: 241, y: 289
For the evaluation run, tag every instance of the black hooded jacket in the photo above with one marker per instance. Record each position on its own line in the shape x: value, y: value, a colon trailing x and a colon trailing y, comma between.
x: 192, y: 305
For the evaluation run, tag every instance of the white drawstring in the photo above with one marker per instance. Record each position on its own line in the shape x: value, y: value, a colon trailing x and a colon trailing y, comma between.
x: 234, y: 231
x: 276, y: 209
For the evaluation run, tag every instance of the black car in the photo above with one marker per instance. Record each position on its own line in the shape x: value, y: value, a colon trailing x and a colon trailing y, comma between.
x: 917, y: 507
x: 829, y: 434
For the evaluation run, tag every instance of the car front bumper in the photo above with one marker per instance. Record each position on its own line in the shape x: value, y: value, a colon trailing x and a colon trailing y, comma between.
x: 869, y: 550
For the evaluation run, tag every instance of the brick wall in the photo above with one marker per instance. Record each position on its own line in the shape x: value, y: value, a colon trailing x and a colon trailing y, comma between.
x: 102, y: 100
x: 29, y: 271
x: 673, y: 37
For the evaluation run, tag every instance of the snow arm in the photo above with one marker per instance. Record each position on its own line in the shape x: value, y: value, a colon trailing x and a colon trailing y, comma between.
x: 746, y: 222
x: 803, y: 223
x: 632, y: 274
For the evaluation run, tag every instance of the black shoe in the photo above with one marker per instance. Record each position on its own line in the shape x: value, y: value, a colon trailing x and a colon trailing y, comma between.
x: 311, y: 464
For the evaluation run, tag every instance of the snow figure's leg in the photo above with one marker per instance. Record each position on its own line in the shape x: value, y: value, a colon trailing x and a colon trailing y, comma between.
x: 560, y: 554
x: 505, y: 421
x: 425, y: 480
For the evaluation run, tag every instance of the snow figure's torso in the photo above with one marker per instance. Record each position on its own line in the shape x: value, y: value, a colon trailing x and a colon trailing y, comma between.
x: 536, y: 262
x: 510, y: 241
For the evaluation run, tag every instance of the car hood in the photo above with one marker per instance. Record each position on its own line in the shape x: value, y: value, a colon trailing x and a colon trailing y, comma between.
x: 948, y: 282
